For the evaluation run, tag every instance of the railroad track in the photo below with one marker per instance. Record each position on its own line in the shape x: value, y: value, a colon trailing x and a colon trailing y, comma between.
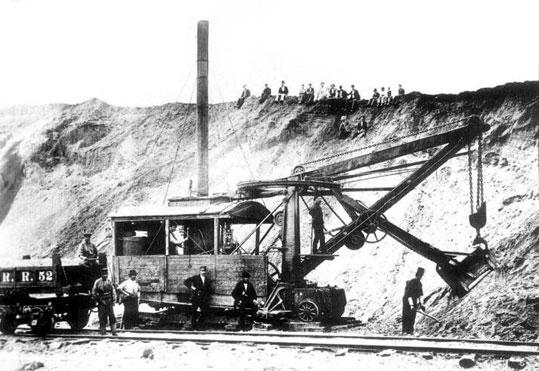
x: 316, y: 340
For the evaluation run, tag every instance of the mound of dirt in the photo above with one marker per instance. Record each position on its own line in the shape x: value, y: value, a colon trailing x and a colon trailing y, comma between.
x: 64, y: 168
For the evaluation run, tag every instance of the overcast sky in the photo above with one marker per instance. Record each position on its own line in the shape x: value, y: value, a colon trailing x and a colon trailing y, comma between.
x: 139, y: 53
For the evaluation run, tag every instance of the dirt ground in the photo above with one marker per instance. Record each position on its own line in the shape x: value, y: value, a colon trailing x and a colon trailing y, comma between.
x: 101, y: 355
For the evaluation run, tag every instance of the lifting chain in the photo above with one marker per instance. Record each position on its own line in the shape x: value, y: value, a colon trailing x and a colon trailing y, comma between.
x: 478, y: 214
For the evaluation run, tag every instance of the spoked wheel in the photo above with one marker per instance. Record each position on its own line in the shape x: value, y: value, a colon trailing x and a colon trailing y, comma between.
x: 373, y: 234
x: 8, y: 323
x: 308, y: 311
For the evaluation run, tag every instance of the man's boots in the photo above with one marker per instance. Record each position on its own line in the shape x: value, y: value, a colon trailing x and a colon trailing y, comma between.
x: 113, y: 329
x: 102, y: 331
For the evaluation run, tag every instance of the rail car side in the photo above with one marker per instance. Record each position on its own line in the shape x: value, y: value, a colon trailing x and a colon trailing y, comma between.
x: 41, y: 292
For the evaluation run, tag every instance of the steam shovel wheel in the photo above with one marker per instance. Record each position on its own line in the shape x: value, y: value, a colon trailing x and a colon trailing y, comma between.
x: 308, y: 311
x: 8, y: 323
x: 79, y: 318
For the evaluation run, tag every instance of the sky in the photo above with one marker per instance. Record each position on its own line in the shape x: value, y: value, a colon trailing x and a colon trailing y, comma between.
x: 143, y: 52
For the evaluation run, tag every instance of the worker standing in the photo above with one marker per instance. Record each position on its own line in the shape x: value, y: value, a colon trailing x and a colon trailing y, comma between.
x: 244, y: 295
x: 411, y: 301
x: 105, y: 295
x: 319, y: 240
x: 200, y: 286
x: 130, y: 290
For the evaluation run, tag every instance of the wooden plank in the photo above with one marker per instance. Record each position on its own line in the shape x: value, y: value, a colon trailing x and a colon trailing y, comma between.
x: 150, y: 269
x: 224, y: 271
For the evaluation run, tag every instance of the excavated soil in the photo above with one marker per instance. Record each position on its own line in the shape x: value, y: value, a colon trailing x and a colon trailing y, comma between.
x: 64, y: 168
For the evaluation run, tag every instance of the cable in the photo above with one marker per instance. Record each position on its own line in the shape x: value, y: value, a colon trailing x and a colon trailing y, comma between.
x: 177, y: 148
x: 234, y: 131
x: 340, y: 154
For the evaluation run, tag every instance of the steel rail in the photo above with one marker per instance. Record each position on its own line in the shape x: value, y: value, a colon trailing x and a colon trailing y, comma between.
x: 287, y: 339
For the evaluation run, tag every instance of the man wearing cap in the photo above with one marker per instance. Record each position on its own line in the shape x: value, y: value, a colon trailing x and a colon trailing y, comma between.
x: 200, y: 286
x: 244, y: 295
x: 105, y: 294
x: 411, y: 301
x: 87, y: 249
x: 130, y: 291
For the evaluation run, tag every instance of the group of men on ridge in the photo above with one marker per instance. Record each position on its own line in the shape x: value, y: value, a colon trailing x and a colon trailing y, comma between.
x: 308, y: 95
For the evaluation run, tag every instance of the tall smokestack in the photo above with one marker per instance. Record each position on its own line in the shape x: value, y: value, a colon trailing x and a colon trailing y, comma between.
x: 202, y: 108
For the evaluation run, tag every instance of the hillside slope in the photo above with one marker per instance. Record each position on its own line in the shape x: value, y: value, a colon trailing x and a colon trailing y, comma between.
x: 64, y: 168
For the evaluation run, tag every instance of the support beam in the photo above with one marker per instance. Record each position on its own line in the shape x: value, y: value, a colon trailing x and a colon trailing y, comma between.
x: 291, y: 241
x: 473, y: 127
x: 202, y: 108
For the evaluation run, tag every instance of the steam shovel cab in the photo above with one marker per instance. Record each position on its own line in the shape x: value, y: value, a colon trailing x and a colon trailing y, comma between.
x: 146, y: 239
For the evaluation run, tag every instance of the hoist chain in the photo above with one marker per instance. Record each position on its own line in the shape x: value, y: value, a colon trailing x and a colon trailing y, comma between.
x: 479, y: 170
x: 470, y: 177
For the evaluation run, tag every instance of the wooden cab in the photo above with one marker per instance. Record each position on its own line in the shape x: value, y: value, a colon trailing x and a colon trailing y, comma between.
x: 168, y: 244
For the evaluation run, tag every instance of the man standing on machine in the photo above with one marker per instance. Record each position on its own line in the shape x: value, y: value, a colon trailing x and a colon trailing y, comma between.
x: 318, y: 226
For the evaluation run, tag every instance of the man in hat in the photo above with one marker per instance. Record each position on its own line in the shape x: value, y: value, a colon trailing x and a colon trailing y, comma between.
x: 282, y: 93
x: 246, y: 93
x: 87, y: 250
x: 309, y: 95
x: 200, y: 286
x: 353, y: 98
x: 266, y: 93
x: 105, y: 294
x: 411, y: 301
x: 130, y: 291
x: 318, y: 225
x: 244, y: 295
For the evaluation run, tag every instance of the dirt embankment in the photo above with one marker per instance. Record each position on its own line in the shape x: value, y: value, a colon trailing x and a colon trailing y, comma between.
x: 64, y: 168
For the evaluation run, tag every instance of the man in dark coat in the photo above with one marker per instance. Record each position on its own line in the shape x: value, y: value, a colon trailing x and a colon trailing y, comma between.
x: 266, y: 93
x: 318, y: 225
x: 309, y: 95
x: 282, y: 93
x: 244, y: 95
x: 105, y: 295
x: 244, y: 295
x: 341, y: 93
x: 411, y: 301
x: 200, y: 287
x: 353, y: 98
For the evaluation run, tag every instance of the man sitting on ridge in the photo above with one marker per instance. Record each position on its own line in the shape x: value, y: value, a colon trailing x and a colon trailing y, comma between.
x: 244, y: 95
x: 266, y: 93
